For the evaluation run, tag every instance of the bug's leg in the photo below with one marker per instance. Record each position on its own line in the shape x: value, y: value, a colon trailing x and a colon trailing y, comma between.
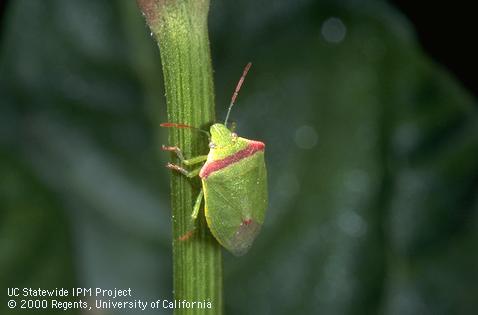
x: 194, y: 215
x: 197, y: 205
x: 195, y: 160
x: 179, y: 153
x: 182, y: 170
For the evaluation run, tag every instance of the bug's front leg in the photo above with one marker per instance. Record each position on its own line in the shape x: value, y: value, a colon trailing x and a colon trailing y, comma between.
x: 191, y: 161
x: 195, y: 160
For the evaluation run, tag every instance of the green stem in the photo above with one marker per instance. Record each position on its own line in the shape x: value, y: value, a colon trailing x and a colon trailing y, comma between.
x: 181, y: 30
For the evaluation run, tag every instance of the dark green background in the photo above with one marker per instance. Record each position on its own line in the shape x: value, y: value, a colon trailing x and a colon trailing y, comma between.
x: 371, y: 150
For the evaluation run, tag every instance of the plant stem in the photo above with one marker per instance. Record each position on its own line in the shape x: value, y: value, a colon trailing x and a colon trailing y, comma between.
x: 181, y: 30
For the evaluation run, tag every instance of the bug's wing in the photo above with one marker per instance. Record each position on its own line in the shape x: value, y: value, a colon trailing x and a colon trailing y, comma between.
x: 236, y: 202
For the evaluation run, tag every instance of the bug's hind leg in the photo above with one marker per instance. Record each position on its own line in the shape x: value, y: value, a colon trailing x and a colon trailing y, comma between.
x: 194, y: 215
x: 197, y: 205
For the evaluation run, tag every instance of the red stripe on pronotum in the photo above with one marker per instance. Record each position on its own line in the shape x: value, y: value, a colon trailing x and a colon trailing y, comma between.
x: 253, y: 147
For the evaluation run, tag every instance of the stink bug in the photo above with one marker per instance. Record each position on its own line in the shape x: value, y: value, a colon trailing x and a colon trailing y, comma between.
x: 234, y: 183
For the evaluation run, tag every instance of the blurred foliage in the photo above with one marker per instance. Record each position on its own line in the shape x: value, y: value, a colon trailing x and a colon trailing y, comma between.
x: 371, y: 150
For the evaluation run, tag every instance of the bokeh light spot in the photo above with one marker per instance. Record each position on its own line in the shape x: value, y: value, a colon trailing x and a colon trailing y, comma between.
x: 306, y: 137
x: 333, y: 30
x: 352, y: 224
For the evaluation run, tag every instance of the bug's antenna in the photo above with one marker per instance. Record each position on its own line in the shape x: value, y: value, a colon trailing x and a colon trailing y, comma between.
x: 236, y: 91
x: 183, y: 126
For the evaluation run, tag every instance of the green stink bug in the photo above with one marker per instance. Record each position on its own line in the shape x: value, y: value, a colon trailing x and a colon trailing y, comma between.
x: 234, y: 183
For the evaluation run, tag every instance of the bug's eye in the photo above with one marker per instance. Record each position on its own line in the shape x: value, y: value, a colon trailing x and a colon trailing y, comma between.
x: 212, y: 145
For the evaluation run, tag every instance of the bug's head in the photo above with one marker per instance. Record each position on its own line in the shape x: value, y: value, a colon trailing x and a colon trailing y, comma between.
x: 221, y: 135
